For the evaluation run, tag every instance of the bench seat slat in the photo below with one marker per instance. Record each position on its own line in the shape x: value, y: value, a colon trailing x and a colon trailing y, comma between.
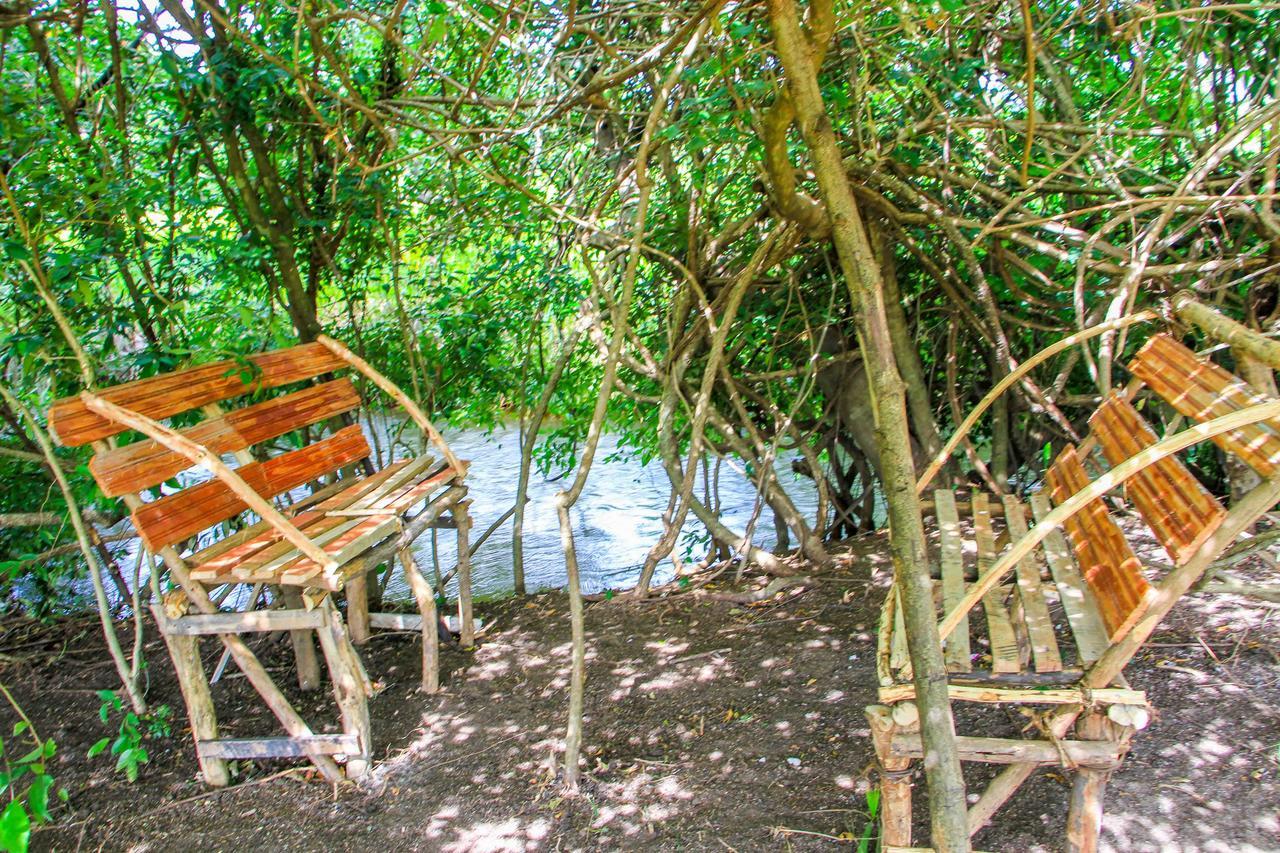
x: 175, y: 517
x: 1077, y: 599
x: 343, y: 538
x: 74, y: 424
x: 147, y: 463
x: 1005, y: 655
x: 956, y: 651
x: 1035, y: 610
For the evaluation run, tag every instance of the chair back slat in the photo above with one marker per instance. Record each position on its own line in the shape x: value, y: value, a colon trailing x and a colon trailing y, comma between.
x: 1107, y: 562
x: 1179, y: 510
x: 147, y: 463
x: 178, y: 516
x: 1201, y: 390
x: 74, y: 424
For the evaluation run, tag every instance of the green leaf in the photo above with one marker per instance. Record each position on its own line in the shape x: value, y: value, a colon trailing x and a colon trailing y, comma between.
x: 16, y: 251
x: 38, y: 798
x: 15, y: 828
x: 98, y: 747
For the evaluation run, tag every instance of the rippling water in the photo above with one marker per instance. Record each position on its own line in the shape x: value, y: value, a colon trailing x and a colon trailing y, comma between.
x: 615, y: 521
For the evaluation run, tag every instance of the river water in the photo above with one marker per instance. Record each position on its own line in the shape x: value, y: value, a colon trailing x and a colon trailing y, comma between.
x: 615, y: 521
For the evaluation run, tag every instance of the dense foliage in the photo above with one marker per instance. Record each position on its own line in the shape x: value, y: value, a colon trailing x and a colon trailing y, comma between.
x: 452, y: 188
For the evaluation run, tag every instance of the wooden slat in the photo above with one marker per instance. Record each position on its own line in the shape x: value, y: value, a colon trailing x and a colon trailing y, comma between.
x: 1035, y: 610
x: 990, y: 750
x: 274, y: 560
x: 279, y: 747
x: 1076, y: 598
x: 146, y: 463
x: 899, y: 658
x: 1179, y: 510
x: 1202, y: 391
x: 175, y: 517
x: 1039, y: 694
x: 1105, y: 559
x: 238, y: 623
x: 239, y: 546
x: 73, y: 424
x: 956, y: 649
x: 1005, y: 656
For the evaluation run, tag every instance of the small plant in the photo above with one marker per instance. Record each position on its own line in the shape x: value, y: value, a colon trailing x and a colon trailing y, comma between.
x: 28, y: 800
x: 127, y: 744
x: 873, y: 812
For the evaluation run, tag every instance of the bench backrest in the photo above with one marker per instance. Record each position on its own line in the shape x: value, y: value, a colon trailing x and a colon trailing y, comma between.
x: 1106, y: 561
x: 144, y: 464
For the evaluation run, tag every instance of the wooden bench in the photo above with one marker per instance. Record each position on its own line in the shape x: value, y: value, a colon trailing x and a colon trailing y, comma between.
x: 297, y: 551
x: 1066, y: 604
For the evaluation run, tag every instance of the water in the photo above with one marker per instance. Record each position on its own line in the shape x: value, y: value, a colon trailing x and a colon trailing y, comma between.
x: 615, y: 521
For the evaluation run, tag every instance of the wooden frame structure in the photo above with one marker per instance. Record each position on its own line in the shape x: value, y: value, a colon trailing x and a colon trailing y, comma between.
x: 1076, y: 562
x: 353, y: 521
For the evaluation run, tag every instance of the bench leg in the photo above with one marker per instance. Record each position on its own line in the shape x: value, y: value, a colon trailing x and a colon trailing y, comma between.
x: 463, y: 519
x: 348, y: 687
x: 357, y: 591
x: 304, y: 650
x: 1084, y: 814
x: 185, y: 654
x: 425, y: 597
x: 895, y: 780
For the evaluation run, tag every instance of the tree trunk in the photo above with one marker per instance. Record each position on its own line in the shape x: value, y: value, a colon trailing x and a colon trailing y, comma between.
x: 907, y: 539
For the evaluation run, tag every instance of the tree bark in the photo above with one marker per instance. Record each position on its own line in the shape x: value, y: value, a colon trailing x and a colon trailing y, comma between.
x: 907, y: 539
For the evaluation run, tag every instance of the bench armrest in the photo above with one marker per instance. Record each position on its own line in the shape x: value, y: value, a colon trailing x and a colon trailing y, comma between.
x: 396, y: 393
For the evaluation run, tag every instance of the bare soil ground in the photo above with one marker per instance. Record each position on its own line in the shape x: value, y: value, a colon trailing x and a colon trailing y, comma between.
x: 709, y: 726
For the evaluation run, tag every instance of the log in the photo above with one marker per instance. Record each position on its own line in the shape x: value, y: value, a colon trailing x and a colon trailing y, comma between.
x: 427, y: 617
x: 1030, y: 695
x: 357, y: 591
x: 304, y: 648
x: 990, y: 750
x: 237, y: 623
x: 462, y: 516
x: 895, y: 780
x: 277, y: 747
x: 1224, y: 329
x: 185, y: 653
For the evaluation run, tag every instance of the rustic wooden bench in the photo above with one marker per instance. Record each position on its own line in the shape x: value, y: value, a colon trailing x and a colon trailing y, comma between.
x: 1066, y: 604
x: 297, y: 553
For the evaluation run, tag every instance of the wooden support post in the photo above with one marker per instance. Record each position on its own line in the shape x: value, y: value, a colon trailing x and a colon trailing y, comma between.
x: 425, y: 596
x: 348, y: 688
x: 304, y: 650
x: 463, y: 519
x: 185, y: 654
x: 357, y: 590
x: 1084, y: 814
x: 895, y: 775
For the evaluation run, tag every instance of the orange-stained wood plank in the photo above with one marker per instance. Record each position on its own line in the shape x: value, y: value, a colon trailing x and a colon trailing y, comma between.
x: 276, y: 561
x: 1107, y: 562
x: 175, y: 517
x: 1202, y: 390
x: 73, y: 424
x: 146, y: 463
x: 1179, y: 510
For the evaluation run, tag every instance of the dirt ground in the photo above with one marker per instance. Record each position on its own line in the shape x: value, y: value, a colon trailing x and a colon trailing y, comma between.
x: 710, y: 725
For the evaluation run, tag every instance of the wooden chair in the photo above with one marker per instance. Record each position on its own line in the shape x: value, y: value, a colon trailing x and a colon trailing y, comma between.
x: 1066, y: 674
x: 353, y: 521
